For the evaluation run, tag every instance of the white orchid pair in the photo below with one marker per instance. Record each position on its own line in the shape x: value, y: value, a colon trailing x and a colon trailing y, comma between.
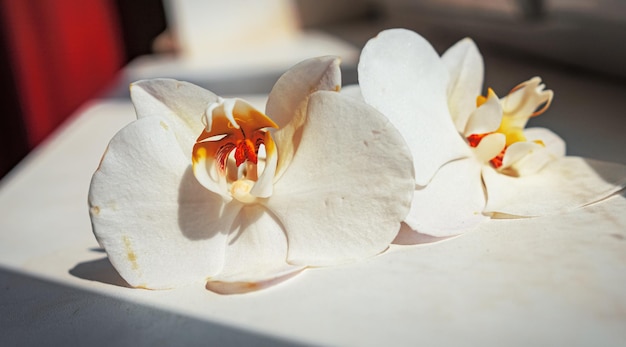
x: 201, y: 188
x: 473, y: 158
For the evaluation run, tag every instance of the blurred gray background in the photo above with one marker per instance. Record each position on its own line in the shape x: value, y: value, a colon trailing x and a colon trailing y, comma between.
x: 576, y: 46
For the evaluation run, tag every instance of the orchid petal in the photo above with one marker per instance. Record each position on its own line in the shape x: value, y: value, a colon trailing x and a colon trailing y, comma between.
x: 402, y: 76
x: 160, y: 228
x: 451, y: 203
x: 364, y: 173
x: 524, y: 101
x: 207, y: 174
x: 264, y: 186
x: 486, y: 118
x: 287, y: 102
x: 181, y: 103
x: 562, y: 185
x: 489, y: 147
x: 530, y: 164
x: 466, y: 68
x: 525, y: 158
x: 256, y: 254
x: 553, y: 143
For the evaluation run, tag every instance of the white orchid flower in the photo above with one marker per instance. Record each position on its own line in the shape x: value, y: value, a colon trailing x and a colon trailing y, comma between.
x: 496, y: 167
x: 199, y: 189
x: 496, y: 129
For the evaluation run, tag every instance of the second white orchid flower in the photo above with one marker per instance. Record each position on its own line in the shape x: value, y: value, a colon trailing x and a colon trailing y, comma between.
x: 473, y: 157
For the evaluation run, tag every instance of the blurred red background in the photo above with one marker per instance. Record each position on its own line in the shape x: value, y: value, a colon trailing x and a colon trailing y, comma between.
x: 56, y: 54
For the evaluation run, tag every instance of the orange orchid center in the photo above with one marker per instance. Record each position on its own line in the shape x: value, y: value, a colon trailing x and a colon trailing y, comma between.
x: 246, y: 148
x: 241, y: 130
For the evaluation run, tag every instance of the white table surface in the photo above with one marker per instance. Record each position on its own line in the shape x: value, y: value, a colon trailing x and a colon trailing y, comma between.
x: 559, y: 280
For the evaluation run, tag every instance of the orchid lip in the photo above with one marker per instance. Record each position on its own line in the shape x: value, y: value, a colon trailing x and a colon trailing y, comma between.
x: 231, y: 152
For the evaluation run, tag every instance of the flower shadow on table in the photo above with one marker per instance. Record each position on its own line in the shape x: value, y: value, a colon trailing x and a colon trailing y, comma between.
x: 408, y: 237
x: 39, y: 312
x: 99, y: 270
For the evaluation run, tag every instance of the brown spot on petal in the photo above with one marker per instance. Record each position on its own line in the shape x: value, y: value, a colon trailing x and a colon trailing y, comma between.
x: 95, y: 210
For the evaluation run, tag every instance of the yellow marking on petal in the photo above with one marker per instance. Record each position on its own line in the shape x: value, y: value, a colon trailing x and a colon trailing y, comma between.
x: 540, y: 143
x: 130, y: 254
x: 198, y: 154
x: 164, y: 125
x: 513, y: 134
x: 480, y: 100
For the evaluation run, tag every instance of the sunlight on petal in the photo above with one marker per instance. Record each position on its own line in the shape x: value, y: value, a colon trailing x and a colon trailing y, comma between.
x: 135, y: 200
x: 394, y: 80
x: 358, y: 187
x: 451, y: 203
x: 256, y: 254
x: 288, y: 100
x: 465, y: 64
x: 181, y: 103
